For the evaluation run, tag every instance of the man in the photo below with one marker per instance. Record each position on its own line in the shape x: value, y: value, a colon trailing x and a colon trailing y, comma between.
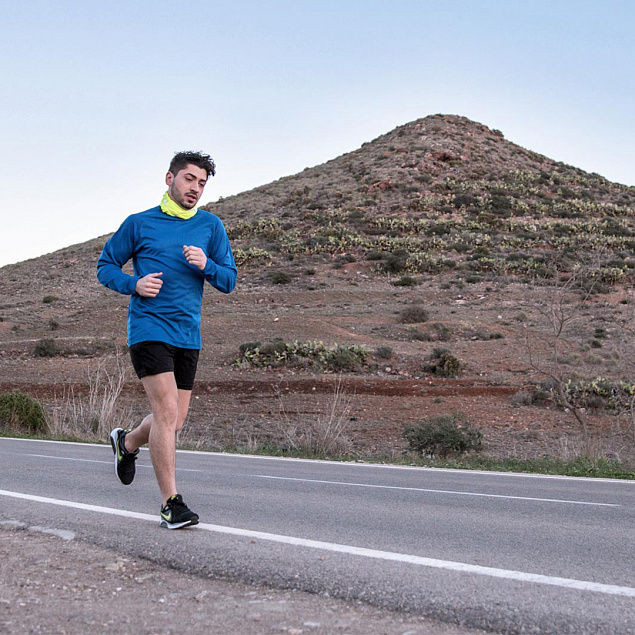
x: 174, y: 248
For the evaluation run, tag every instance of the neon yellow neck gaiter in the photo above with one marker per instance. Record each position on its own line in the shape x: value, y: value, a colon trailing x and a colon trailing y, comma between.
x: 169, y: 207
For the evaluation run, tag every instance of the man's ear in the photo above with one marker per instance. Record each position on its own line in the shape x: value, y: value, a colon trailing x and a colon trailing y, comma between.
x: 169, y: 177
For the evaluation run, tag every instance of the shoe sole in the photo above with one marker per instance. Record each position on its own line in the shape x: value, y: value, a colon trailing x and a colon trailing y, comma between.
x: 188, y: 523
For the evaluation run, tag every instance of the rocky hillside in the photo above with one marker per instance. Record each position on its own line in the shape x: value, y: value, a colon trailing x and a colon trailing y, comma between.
x: 439, y: 193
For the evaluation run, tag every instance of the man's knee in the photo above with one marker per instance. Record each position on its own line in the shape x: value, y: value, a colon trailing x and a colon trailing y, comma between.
x: 165, y: 411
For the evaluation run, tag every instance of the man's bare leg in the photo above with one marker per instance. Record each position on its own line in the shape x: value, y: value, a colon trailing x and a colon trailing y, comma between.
x: 159, y: 428
x: 141, y: 434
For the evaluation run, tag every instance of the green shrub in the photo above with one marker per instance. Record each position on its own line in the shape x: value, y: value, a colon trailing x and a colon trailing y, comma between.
x: 314, y: 355
x: 248, y: 347
x: 49, y: 299
x: 46, y: 348
x: 601, y: 392
x: 21, y: 411
x: 444, y: 436
x: 406, y: 281
x: 413, y: 315
x: 383, y: 352
x: 443, y: 364
x: 343, y: 359
x: 397, y: 261
x: 280, y: 277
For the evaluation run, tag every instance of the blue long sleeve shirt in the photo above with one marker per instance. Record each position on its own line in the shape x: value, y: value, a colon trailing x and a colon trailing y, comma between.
x: 155, y: 243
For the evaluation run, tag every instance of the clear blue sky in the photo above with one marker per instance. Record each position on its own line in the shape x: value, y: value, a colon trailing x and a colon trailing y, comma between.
x: 96, y: 97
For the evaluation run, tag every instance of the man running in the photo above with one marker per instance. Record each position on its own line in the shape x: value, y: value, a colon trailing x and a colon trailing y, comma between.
x: 174, y: 248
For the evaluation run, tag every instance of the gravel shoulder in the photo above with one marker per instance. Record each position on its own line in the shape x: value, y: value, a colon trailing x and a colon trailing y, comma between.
x: 52, y: 583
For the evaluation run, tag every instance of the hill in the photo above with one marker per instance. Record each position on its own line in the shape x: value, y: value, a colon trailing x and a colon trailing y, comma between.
x: 450, y: 194
x: 430, y: 262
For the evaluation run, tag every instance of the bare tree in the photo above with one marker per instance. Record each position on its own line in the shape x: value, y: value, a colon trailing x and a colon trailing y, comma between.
x: 561, y: 307
x: 626, y: 387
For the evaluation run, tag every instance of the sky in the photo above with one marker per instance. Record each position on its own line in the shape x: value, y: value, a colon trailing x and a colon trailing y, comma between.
x: 96, y: 97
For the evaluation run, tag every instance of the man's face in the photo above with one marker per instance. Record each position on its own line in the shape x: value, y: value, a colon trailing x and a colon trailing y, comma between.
x: 186, y: 187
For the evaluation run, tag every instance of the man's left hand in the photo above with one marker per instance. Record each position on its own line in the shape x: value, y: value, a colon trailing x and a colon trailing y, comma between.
x: 195, y: 256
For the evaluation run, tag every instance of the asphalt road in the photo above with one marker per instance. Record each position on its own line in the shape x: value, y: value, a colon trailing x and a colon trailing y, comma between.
x: 503, y: 552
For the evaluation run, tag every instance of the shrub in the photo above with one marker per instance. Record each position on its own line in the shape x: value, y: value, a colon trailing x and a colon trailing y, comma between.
x: 406, y: 281
x: 465, y: 199
x: 418, y: 336
x: 303, y: 355
x: 46, y: 348
x: 480, y: 334
x: 397, y: 261
x: 522, y: 398
x: 280, y: 277
x: 91, y: 416
x: 443, y: 436
x: 441, y: 332
x: 248, y: 347
x: 413, y: 315
x: 343, y: 359
x: 21, y: 411
x: 443, y: 364
x: 49, y: 299
x: 383, y: 352
x: 374, y: 255
x: 327, y: 434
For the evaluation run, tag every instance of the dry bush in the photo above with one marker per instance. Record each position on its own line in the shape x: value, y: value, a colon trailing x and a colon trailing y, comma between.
x: 414, y: 314
x: 327, y: 433
x: 92, y: 416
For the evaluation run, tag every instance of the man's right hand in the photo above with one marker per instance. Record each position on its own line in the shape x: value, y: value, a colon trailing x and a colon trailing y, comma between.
x: 149, y: 286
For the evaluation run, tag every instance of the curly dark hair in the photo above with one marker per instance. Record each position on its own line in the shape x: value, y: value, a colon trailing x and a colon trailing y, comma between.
x: 200, y: 160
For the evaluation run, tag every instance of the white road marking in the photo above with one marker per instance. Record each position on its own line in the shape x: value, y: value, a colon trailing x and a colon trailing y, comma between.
x: 436, y: 491
x: 361, y: 464
x: 461, y: 567
x: 69, y: 458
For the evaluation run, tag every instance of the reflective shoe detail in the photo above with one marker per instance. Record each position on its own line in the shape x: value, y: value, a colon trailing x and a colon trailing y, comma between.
x: 124, y: 460
x: 176, y: 514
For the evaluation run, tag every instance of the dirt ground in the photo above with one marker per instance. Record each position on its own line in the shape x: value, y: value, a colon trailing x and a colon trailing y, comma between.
x: 487, y: 327
x: 56, y: 585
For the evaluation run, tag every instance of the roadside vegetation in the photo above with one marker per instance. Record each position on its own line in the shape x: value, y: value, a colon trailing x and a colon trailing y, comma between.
x: 448, y: 441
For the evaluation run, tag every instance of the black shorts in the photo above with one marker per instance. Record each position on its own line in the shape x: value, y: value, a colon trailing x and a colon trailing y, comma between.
x: 152, y: 358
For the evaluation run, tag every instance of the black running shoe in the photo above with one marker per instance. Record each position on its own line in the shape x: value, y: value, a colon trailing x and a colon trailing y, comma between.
x: 124, y: 460
x: 177, y: 514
